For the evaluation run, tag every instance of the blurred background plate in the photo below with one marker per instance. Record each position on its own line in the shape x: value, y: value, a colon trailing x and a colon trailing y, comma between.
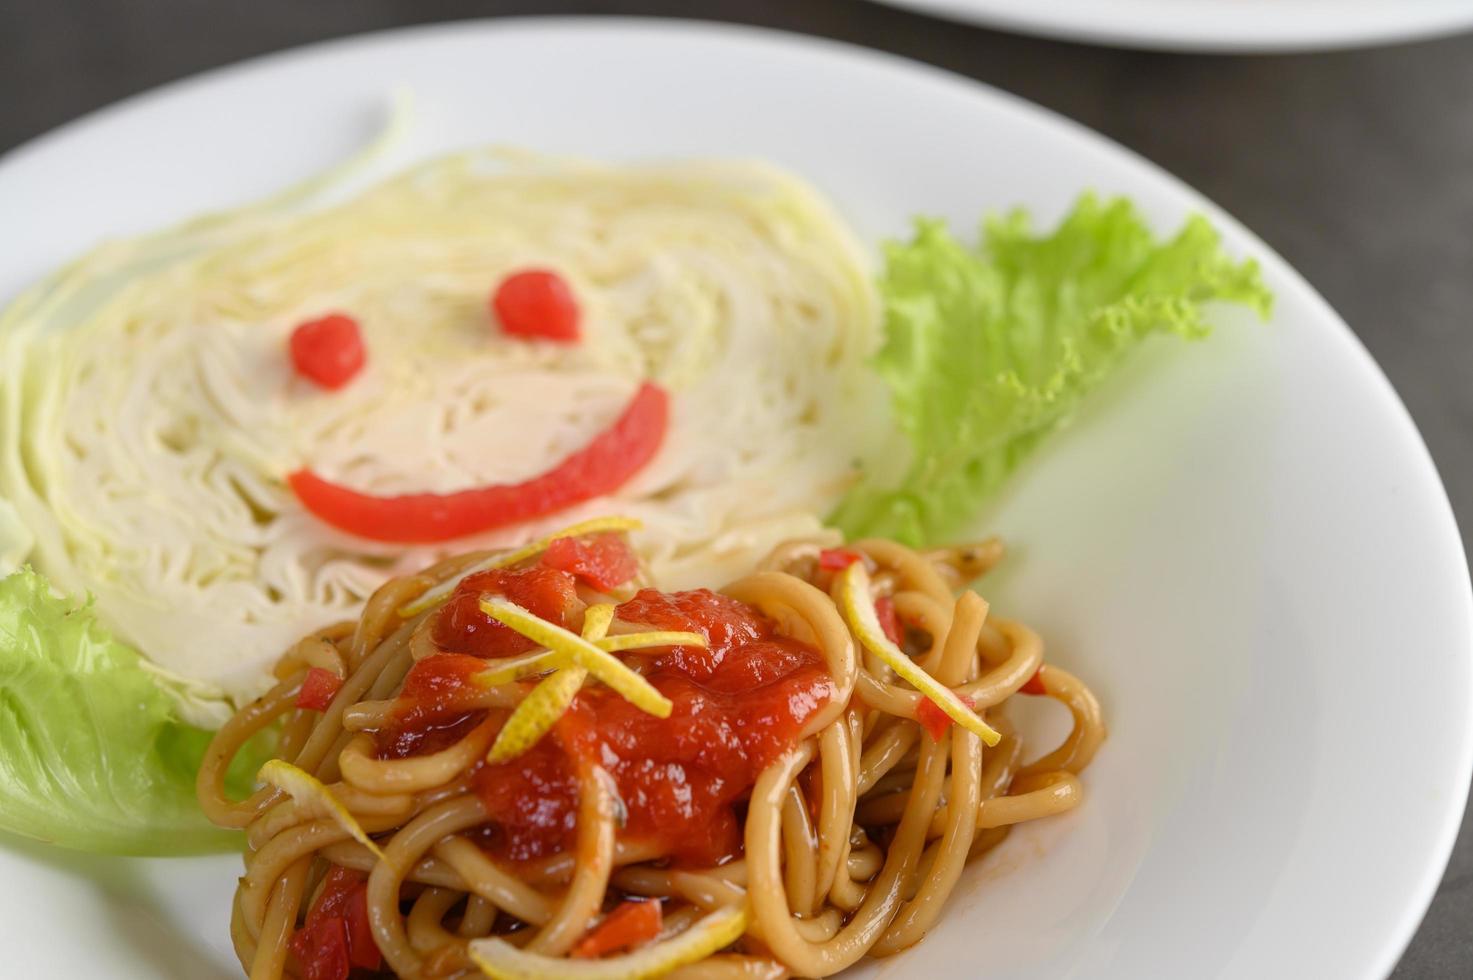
x: 1241, y: 26
x: 1243, y: 545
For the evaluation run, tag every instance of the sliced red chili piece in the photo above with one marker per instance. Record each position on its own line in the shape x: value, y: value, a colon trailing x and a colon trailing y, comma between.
x: 631, y: 924
x: 318, y: 689
x: 838, y: 559
x: 604, y: 561
x: 1034, y: 684
x: 328, y: 351
x: 889, y: 622
x: 933, y: 719
x: 536, y: 303
x: 604, y: 465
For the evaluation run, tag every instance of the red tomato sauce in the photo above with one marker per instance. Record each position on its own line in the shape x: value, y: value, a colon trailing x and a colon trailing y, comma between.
x: 604, y: 561
x: 462, y: 627
x: 737, y: 706
x: 431, y: 712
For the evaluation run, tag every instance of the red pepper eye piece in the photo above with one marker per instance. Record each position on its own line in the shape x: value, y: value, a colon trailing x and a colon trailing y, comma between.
x: 329, y: 351
x: 536, y: 304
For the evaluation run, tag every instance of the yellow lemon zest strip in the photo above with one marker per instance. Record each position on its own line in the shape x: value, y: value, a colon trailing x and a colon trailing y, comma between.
x: 506, y: 671
x: 500, y: 960
x: 547, y: 702
x: 858, y: 607
x: 606, y: 667
x: 306, y: 788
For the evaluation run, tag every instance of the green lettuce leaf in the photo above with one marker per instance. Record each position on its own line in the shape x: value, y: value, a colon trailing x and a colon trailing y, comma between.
x: 93, y: 755
x: 989, y: 349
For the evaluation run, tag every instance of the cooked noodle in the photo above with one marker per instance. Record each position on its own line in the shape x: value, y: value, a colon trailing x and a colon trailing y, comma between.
x: 853, y: 838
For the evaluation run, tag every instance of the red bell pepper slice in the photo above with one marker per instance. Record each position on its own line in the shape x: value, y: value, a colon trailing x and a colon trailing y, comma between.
x: 604, y: 465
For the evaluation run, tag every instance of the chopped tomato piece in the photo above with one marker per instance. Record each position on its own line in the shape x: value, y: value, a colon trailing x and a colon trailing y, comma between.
x: 1034, y: 684
x: 933, y: 719
x: 631, y: 924
x: 537, y: 304
x: 363, y: 950
x: 337, y: 886
x: 328, y: 351
x: 462, y: 627
x: 319, y: 687
x: 337, y: 935
x: 889, y: 622
x: 604, y: 465
x: 321, y: 947
x: 838, y: 559
x: 345, y: 895
x: 604, y: 561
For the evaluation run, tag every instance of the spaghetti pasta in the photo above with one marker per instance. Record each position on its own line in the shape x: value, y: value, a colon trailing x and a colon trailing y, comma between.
x: 853, y: 806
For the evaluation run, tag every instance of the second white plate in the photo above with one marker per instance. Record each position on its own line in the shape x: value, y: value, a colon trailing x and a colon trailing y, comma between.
x: 1240, y: 26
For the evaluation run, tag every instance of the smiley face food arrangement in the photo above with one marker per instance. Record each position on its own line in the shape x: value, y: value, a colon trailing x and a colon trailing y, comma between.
x: 255, y: 435
x: 543, y: 568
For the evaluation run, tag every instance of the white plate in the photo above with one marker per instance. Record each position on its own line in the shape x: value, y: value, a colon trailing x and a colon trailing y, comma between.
x: 1243, y: 26
x: 1243, y: 545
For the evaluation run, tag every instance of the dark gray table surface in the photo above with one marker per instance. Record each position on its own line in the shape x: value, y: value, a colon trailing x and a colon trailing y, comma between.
x: 1356, y: 166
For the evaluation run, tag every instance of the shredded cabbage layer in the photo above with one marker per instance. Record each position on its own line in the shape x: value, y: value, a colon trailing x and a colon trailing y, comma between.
x: 149, y: 411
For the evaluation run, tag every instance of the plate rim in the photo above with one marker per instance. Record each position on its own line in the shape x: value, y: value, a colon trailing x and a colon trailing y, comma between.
x: 1222, y: 31
x: 1329, y: 322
